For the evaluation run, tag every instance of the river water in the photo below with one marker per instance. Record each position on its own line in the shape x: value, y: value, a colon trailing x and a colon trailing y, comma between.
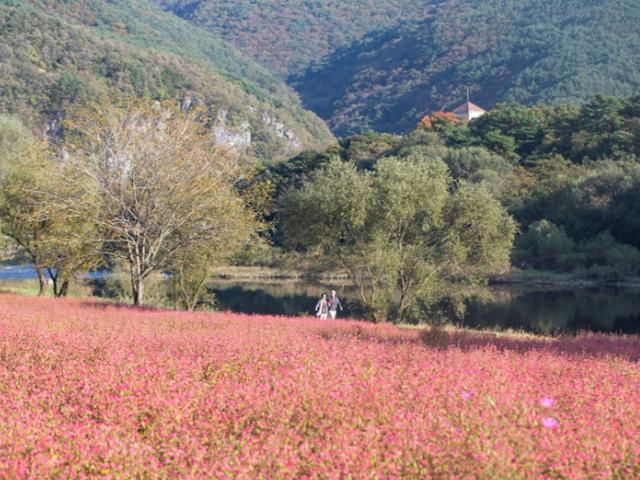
x: 534, y: 309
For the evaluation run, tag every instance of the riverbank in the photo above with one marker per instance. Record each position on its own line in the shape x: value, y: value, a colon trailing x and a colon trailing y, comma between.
x: 275, y: 274
x: 543, y: 278
x: 513, y: 277
x: 289, y: 275
x: 536, y: 305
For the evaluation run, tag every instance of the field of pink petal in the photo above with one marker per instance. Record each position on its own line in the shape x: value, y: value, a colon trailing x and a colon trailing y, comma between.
x: 97, y: 390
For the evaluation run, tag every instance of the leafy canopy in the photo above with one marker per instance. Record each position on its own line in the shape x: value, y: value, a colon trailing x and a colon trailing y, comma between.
x: 402, y: 231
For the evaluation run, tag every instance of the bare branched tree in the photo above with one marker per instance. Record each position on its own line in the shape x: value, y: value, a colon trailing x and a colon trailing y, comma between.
x: 160, y: 184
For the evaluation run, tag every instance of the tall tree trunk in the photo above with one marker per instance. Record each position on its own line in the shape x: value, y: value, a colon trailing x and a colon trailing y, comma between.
x: 137, y: 277
x: 402, y: 306
x: 64, y: 289
x: 42, y: 281
x: 59, y: 289
x: 53, y: 275
x: 175, y: 291
x: 137, y: 288
x: 54, y: 283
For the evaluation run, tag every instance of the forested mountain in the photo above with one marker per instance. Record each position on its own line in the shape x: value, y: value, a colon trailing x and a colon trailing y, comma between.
x: 287, y: 35
x: 526, y: 50
x: 381, y: 64
x: 57, y: 55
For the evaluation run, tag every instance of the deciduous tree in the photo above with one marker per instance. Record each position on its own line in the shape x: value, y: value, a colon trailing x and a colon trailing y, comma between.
x: 402, y: 232
x: 161, y: 185
x: 33, y: 213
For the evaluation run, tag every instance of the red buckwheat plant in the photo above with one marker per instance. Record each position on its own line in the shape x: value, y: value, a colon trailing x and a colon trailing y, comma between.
x: 96, y: 390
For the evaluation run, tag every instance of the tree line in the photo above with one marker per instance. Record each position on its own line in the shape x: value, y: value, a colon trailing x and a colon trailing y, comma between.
x: 416, y: 221
x: 568, y: 175
x: 146, y: 186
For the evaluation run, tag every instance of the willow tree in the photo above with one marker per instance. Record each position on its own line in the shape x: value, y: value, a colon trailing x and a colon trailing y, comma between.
x: 160, y: 186
x: 404, y: 233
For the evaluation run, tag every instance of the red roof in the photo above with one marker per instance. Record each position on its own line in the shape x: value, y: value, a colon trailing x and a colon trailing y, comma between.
x: 468, y: 107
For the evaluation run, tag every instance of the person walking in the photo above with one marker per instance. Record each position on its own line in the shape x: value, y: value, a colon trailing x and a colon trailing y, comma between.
x: 334, y: 304
x: 322, y: 307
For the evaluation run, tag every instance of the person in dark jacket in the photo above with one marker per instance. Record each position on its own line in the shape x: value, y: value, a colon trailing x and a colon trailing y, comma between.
x: 322, y: 307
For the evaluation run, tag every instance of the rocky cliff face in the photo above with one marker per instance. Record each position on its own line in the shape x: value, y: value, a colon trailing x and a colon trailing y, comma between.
x: 282, y: 131
x: 237, y: 137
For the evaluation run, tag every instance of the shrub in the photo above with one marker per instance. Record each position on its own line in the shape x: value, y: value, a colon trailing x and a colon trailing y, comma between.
x: 545, y: 246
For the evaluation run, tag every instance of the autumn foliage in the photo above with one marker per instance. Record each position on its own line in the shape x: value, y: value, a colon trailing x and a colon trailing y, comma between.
x: 436, y: 119
x: 97, y: 390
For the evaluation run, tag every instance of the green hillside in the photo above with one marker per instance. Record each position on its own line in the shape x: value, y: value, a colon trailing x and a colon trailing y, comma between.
x: 59, y: 54
x: 287, y: 35
x: 381, y: 64
x: 528, y: 51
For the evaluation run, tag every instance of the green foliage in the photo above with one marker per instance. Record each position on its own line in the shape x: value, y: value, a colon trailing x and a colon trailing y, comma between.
x: 15, y: 142
x: 190, y: 273
x: 603, y: 250
x: 570, y: 177
x: 117, y: 286
x: 511, y: 130
x: 58, y: 56
x: 544, y: 246
x: 162, y: 194
x: 532, y: 51
x: 31, y: 181
x: 479, y: 166
x: 401, y: 231
x: 604, y: 127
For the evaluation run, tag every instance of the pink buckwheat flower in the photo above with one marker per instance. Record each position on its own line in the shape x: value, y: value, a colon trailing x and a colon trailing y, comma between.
x: 465, y: 395
x: 106, y: 391
x: 547, y: 402
x: 550, y: 422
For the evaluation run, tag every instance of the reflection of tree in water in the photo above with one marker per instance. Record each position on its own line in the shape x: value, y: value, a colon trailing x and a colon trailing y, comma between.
x: 283, y: 298
x: 539, y: 310
x: 548, y: 311
x: 611, y: 310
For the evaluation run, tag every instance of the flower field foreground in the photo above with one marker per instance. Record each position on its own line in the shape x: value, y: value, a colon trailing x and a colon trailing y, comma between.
x: 91, y: 390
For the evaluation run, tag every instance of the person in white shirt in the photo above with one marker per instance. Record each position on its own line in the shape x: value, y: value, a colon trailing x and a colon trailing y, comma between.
x: 334, y: 304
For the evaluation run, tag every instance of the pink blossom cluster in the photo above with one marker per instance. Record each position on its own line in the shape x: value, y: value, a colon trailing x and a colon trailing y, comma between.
x: 95, y: 390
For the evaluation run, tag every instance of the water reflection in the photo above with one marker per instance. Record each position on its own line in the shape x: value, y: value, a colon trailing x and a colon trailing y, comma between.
x: 282, y: 298
x: 540, y: 310
x: 547, y: 310
x: 27, y: 272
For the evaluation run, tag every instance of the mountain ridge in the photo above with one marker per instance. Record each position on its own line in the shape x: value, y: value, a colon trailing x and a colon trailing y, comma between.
x: 382, y: 64
x: 288, y: 35
x: 58, y: 54
x: 503, y: 53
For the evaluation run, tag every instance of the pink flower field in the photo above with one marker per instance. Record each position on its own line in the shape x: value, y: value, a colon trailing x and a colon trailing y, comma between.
x: 95, y: 390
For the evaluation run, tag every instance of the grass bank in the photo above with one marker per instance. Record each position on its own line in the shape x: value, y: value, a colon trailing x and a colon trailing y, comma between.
x: 577, y: 280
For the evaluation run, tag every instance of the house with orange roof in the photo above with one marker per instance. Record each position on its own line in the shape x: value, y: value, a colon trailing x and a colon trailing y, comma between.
x: 468, y: 111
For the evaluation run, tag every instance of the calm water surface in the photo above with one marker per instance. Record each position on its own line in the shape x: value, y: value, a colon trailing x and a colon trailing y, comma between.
x: 540, y: 310
x: 534, y: 309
